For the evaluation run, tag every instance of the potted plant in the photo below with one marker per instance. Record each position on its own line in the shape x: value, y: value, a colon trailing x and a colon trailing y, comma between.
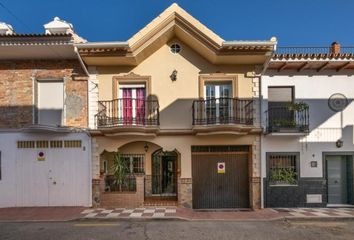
x: 120, y: 169
x: 297, y: 106
x: 283, y: 176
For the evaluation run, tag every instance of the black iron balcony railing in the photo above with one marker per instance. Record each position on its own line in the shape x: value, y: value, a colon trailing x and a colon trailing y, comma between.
x: 127, y: 112
x: 223, y: 111
x: 283, y: 119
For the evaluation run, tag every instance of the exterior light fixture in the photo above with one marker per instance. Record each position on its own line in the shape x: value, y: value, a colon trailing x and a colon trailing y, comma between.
x: 146, y: 147
x: 173, y: 76
x: 339, y: 143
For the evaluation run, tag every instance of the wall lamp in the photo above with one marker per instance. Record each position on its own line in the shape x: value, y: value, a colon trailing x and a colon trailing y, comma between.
x: 146, y: 147
x: 339, y: 144
x: 173, y: 76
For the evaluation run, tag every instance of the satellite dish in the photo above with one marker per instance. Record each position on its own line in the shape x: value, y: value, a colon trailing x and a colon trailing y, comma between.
x: 337, y: 102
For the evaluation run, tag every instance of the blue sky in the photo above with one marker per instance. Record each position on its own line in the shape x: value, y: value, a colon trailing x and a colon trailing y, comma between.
x: 293, y: 22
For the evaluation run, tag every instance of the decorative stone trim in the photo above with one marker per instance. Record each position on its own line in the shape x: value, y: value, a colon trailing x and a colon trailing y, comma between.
x: 185, y: 192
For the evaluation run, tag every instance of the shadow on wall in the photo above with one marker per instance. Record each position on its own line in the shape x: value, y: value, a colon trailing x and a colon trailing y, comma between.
x: 22, y: 116
x: 320, y: 114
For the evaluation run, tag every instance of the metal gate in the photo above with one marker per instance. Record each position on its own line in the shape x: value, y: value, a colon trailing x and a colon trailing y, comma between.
x: 220, y: 179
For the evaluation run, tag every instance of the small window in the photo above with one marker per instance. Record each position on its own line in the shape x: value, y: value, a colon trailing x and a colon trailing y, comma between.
x: 283, y: 168
x: 280, y: 94
x: 105, y: 166
x: 135, y: 163
x: 50, y: 102
x: 175, y: 48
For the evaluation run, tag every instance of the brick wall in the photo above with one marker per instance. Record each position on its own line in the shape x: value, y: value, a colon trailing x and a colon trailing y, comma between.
x: 125, y: 199
x: 17, y: 90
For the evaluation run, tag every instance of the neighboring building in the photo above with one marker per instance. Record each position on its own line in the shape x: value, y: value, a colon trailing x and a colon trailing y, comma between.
x: 44, y: 148
x: 180, y: 105
x: 307, y: 150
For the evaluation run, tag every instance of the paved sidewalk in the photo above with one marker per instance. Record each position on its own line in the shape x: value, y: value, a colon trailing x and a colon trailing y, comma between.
x: 102, y: 213
x: 40, y: 213
x: 317, y: 212
x: 75, y: 213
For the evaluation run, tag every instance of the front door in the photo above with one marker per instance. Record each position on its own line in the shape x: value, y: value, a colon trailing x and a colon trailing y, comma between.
x: 337, y: 178
x: 164, y: 177
x: 218, y: 102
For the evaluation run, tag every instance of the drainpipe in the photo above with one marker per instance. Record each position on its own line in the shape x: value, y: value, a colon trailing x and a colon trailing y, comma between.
x: 265, y: 67
x: 81, y: 61
x: 89, y: 150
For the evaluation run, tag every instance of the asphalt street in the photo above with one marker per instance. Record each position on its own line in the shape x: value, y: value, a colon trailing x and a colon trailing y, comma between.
x: 181, y: 230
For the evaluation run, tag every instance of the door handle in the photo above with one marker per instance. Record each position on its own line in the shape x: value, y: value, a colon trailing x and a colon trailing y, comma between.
x: 336, y: 181
x: 54, y: 182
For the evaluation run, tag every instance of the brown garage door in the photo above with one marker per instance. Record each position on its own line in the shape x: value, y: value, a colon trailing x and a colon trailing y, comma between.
x: 213, y: 189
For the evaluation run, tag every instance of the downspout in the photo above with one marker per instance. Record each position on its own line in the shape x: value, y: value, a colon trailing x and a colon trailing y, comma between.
x: 81, y: 61
x: 87, y: 131
x: 265, y: 67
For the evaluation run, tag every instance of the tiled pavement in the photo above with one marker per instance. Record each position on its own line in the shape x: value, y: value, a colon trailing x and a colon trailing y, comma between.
x: 317, y: 212
x: 159, y: 212
x: 72, y: 213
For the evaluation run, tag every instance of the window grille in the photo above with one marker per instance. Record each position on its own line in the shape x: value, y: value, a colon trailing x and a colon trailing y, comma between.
x: 135, y: 162
x: 283, y: 168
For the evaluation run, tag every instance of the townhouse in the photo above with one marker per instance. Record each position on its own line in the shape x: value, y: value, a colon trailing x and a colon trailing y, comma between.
x: 307, y: 148
x: 179, y: 105
x: 175, y: 115
x: 44, y: 150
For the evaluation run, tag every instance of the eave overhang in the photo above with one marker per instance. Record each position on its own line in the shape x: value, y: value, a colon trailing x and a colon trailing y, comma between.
x: 312, y: 61
x: 174, y: 22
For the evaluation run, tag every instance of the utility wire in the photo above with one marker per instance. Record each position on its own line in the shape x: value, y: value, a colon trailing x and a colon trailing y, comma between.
x: 14, y: 16
x: 25, y: 25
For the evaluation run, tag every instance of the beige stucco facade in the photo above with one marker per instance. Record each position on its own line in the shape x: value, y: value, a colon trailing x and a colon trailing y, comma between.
x: 176, y: 97
x: 147, y: 60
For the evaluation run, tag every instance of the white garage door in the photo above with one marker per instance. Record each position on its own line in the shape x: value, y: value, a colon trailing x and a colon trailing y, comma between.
x: 54, y: 175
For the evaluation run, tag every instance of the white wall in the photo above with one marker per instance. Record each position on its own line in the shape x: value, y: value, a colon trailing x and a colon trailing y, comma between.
x: 14, y: 168
x: 326, y: 126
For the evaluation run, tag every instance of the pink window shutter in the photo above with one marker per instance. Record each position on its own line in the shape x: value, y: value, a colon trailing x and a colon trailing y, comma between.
x: 127, y: 106
x: 140, y: 106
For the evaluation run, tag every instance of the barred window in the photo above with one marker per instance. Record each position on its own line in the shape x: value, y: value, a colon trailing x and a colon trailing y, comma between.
x: 135, y: 162
x: 283, y: 168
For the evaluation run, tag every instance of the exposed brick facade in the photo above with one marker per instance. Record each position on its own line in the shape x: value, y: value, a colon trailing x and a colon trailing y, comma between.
x: 125, y: 199
x: 17, y: 100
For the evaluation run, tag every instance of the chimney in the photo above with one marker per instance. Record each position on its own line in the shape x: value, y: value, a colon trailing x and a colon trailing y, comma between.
x: 6, y: 29
x: 58, y: 26
x: 335, y: 48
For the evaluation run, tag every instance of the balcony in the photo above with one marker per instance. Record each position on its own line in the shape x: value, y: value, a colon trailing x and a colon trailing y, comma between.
x: 128, y: 115
x: 223, y: 116
x: 284, y: 120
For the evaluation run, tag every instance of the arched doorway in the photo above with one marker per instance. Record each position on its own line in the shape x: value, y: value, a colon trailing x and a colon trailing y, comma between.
x: 164, y: 174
